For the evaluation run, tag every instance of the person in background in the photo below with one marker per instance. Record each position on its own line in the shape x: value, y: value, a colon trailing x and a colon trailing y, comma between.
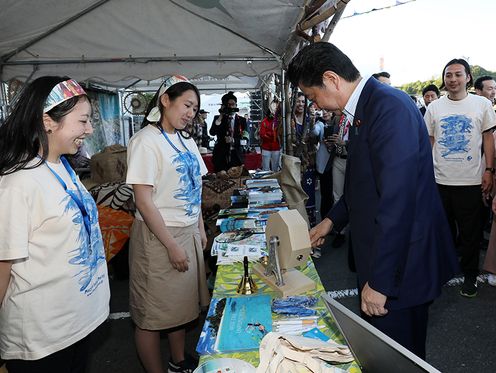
x: 339, y: 140
x: 459, y: 124
x: 229, y: 128
x: 194, y: 129
x: 429, y: 94
x: 401, y: 240
x: 202, y: 119
x: 383, y: 76
x: 305, y: 147
x: 325, y: 127
x: 167, y: 282
x: 54, y: 289
x: 490, y: 259
x: 269, y: 138
x: 486, y: 86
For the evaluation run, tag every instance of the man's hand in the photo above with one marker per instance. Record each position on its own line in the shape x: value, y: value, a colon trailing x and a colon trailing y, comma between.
x: 178, y: 258
x: 494, y: 204
x: 373, y: 302
x: 318, y: 233
x: 487, y: 182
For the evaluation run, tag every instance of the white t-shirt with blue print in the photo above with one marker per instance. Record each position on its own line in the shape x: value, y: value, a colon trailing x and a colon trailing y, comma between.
x: 59, y: 291
x: 176, y: 179
x: 457, y: 128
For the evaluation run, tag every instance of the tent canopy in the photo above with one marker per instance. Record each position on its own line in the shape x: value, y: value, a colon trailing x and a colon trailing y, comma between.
x: 119, y: 42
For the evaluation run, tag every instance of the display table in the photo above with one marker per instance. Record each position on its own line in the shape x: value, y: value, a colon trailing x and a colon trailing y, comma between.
x: 227, y: 279
x: 253, y: 161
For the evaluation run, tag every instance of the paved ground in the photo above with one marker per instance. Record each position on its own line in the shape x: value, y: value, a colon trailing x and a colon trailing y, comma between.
x: 461, y: 336
x: 461, y: 333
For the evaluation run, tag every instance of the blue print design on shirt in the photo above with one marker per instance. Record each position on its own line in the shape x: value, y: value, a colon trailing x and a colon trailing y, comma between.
x: 455, y: 134
x: 90, y: 254
x: 189, y: 189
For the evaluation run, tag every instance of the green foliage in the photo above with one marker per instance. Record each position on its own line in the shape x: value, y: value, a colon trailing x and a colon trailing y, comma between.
x: 478, y: 71
x: 415, y: 88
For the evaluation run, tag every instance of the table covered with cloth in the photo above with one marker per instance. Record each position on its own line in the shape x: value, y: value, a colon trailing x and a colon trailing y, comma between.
x: 252, y: 161
x: 227, y: 279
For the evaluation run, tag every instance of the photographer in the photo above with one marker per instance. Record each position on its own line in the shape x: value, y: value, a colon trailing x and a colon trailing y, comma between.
x: 229, y: 128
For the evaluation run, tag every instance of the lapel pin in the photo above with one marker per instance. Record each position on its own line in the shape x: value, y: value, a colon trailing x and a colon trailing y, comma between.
x: 356, y: 124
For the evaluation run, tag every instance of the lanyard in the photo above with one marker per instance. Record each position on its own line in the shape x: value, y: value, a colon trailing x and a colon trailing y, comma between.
x: 186, y: 156
x: 172, y: 144
x: 78, y: 198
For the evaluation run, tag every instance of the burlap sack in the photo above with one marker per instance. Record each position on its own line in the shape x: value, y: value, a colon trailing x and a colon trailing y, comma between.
x: 109, y: 165
x: 290, y: 181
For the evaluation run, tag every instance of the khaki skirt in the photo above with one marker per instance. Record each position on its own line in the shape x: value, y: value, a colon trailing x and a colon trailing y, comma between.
x: 160, y: 297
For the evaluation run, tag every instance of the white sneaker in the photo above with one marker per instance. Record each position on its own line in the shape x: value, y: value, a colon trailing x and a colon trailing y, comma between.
x: 491, y: 279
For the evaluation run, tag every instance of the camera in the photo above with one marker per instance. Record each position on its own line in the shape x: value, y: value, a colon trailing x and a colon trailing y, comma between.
x: 228, y: 110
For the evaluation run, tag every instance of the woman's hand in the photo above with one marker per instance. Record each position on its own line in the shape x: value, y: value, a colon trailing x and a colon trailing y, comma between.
x: 178, y: 258
x: 204, y: 239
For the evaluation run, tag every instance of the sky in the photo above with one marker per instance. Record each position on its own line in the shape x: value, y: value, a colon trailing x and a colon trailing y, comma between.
x: 415, y: 40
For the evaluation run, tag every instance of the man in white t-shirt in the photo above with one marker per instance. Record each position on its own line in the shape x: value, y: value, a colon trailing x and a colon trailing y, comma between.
x: 459, y: 124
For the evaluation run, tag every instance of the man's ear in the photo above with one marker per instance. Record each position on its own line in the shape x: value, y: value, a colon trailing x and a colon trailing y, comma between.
x: 331, y: 78
x: 49, y: 124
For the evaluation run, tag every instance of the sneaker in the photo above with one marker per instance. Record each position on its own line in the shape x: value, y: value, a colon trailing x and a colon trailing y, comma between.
x: 469, y: 287
x: 184, y: 366
x: 316, y: 253
x: 338, y: 240
x: 491, y: 279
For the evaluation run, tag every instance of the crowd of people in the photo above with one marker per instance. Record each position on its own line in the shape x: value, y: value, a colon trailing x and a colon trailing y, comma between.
x: 409, y: 188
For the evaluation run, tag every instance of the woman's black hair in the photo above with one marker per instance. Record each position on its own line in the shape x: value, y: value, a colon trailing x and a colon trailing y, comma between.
x: 23, y: 134
x: 173, y: 92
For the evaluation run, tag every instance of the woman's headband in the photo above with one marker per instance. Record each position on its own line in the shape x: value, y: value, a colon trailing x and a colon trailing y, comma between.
x: 62, y: 92
x: 154, y: 115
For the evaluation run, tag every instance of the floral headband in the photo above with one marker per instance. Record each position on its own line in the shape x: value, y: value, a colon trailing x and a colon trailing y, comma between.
x: 62, y: 92
x: 154, y: 115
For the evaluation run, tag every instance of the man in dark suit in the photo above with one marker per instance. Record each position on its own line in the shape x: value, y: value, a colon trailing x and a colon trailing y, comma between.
x: 429, y: 93
x: 229, y: 128
x: 401, y: 240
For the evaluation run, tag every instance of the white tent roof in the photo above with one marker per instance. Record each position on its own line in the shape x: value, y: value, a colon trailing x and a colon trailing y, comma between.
x: 117, y: 42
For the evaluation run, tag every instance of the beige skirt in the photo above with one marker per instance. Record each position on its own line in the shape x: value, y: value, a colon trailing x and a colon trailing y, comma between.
x: 160, y: 297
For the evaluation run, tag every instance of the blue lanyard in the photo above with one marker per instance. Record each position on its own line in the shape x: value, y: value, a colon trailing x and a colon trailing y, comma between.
x: 76, y: 198
x: 172, y: 144
x: 183, y: 155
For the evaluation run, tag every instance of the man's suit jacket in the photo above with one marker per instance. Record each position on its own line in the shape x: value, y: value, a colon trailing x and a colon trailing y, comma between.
x: 221, y: 158
x: 401, y: 239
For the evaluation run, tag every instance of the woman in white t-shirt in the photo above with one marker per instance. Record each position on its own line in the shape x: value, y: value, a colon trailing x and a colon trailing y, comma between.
x: 53, y: 275
x: 167, y: 284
